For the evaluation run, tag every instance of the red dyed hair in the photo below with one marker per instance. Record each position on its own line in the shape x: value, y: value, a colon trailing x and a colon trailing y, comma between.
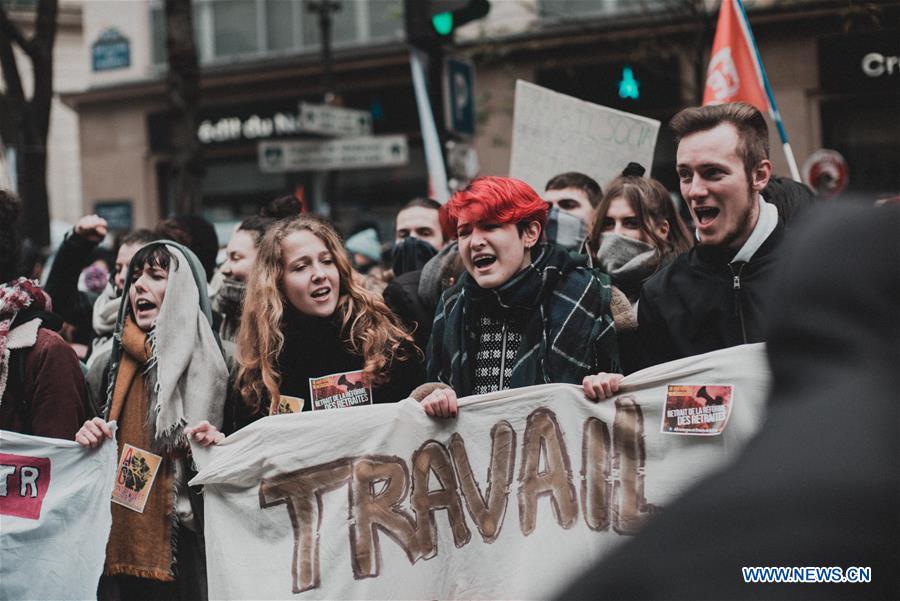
x: 494, y: 199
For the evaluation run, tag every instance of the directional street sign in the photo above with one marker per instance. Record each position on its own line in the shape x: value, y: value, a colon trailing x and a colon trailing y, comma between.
x: 334, y: 120
x: 340, y: 153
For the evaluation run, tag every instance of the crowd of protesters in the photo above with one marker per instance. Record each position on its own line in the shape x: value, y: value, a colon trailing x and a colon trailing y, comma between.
x: 499, y: 288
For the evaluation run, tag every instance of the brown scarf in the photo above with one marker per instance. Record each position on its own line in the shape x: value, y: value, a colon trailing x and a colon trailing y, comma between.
x: 140, y: 544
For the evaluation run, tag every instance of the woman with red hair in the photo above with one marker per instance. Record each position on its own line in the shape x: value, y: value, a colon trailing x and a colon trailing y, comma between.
x: 525, y: 311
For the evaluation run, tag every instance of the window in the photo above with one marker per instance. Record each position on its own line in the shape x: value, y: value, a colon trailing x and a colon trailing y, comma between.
x: 576, y: 9
x: 234, y: 29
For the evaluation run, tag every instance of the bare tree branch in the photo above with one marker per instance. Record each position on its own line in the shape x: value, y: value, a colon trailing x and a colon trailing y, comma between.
x: 9, y: 30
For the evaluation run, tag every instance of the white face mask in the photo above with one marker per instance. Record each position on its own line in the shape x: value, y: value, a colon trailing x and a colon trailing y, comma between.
x: 566, y: 229
x: 624, y: 256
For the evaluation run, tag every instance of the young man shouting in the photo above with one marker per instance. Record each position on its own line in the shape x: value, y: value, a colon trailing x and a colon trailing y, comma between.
x: 525, y: 312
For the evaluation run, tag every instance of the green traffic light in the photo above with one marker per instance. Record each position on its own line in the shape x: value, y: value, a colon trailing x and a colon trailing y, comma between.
x: 443, y: 23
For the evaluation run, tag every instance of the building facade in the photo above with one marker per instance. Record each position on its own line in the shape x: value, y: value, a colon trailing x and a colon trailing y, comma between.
x: 260, y: 58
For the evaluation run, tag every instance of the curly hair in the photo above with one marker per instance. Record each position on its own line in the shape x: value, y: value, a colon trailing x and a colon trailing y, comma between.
x: 368, y: 328
x: 652, y: 205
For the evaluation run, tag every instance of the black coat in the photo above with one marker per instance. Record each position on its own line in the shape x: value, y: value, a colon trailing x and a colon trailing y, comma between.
x: 819, y: 484
x: 696, y: 304
x: 70, y: 303
x: 313, y: 348
x: 403, y: 299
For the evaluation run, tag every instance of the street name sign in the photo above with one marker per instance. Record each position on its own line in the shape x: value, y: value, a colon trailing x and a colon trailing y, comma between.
x: 334, y: 121
x: 361, y: 152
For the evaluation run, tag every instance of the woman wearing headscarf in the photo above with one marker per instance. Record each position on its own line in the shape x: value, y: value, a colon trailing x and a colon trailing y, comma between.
x: 166, y: 370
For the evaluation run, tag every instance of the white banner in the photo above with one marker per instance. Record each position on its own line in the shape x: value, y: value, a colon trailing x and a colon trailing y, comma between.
x: 554, y: 133
x: 54, y: 516
x: 512, y: 499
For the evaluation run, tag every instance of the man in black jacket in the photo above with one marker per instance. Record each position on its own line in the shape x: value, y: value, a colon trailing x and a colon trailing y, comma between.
x: 818, y: 486
x: 713, y: 296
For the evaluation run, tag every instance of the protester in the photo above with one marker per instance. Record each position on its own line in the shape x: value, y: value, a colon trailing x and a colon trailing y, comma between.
x: 419, y: 237
x: 714, y: 296
x: 42, y: 390
x: 636, y: 230
x: 525, y: 312
x: 413, y: 296
x: 419, y: 218
x: 818, y: 485
x: 72, y: 257
x: 197, y: 234
x: 574, y: 193
x: 309, y: 328
x: 165, y: 370
x: 240, y: 255
x: 106, y: 307
x: 572, y: 197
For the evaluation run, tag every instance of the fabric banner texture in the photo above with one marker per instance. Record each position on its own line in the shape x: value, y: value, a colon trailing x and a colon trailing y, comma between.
x: 54, y: 516
x: 512, y: 499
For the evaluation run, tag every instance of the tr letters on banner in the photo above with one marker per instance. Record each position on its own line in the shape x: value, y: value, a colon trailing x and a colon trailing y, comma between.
x: 514, y: 498
x: 54, y: 516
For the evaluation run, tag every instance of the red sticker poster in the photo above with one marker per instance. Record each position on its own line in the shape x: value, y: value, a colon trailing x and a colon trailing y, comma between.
x: 134, y: 477
x: 24, y: 482
x: 697, y: 410
x: 347, y: 389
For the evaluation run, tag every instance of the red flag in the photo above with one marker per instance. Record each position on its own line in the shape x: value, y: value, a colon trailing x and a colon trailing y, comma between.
x: 735, y: 72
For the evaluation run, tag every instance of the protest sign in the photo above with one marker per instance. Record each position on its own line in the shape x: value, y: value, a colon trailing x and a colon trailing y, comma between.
x: 512, y: 499
x: 554, y: 133
x: 54, y: 516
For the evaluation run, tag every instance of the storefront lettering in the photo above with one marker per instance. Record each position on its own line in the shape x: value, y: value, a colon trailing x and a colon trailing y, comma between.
x: 254, y: 127
x: 876, y: 64
x: 396, y: 499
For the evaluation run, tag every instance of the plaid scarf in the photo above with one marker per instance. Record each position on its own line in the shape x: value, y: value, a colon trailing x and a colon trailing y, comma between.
x: 560, y: 306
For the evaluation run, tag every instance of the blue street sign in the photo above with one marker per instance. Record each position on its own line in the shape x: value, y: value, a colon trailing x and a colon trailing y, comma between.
x: 459, y: 96
x: 112, y: 50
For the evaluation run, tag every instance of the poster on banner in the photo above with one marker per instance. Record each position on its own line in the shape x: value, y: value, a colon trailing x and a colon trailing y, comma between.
x: 512, y: 499
x: 554, y: 133
x: 336, y: 391
x: 54, y: 516
x: 135, y: 475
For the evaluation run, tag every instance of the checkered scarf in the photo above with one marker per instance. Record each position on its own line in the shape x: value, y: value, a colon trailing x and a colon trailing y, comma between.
x: 560, y: 306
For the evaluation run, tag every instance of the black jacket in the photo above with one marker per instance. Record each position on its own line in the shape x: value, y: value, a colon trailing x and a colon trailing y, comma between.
x: 403, y: 299
x: 700, y: 302
x: 73, y: 305
x: 818, y: 485
x: 313, y: 348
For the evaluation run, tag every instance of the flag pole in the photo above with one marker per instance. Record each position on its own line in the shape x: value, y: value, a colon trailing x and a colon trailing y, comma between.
x: 773, y: 108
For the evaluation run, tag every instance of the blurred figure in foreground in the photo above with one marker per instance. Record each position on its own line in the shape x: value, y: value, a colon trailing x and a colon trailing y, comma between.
x: 819, y: 485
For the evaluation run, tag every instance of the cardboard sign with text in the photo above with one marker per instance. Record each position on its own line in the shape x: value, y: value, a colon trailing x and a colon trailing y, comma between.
x: 554, y: 133
x: 510, y: 500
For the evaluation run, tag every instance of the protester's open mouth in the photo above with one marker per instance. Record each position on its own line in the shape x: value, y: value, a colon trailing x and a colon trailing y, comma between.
x: 143, y: 304
x: 320, y: 293
x: 706, y: 215
x: 484, y: 261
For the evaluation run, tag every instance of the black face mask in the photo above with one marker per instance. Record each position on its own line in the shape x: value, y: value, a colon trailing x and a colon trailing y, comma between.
x: 411, y: 254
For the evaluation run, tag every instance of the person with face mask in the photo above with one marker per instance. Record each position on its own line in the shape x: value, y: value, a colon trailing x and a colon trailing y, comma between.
x: 636, y: 231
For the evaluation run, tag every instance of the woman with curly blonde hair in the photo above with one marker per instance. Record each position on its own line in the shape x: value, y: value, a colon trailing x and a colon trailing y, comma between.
x: 311, y: 336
